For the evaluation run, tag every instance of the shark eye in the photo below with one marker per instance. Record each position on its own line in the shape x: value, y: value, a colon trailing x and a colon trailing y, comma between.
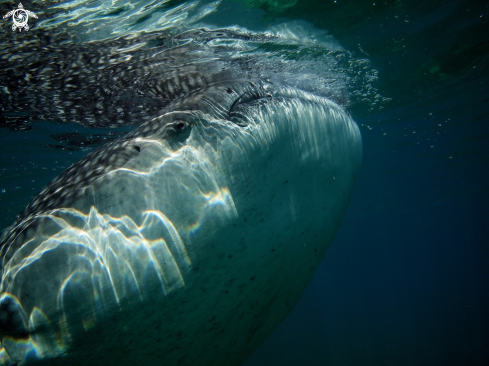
x: 181, y: 126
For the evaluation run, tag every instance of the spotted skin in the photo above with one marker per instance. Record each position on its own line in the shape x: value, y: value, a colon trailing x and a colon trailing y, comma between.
x: 127, y: 81
x: 187, y: 241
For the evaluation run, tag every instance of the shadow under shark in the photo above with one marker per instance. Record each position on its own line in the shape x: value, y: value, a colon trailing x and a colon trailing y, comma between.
x: 187, y: 241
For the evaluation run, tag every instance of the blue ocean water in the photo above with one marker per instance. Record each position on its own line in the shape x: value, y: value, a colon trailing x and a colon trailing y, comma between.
x: 406, y: 279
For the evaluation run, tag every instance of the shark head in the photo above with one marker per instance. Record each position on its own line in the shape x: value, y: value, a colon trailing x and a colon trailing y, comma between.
x: 199, y: 229
x: 188, y: 240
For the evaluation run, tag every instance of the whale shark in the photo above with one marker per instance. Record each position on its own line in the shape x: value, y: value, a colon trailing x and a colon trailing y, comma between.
x: 188, y: 240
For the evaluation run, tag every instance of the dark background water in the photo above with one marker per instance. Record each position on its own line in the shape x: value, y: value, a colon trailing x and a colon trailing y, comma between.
x: 406, y: 279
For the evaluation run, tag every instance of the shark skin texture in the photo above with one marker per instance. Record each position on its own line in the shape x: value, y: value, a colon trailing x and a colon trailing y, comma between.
x: 188, y: 240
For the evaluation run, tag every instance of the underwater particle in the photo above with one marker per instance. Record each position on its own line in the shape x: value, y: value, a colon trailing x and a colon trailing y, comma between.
x: 3, y: 190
